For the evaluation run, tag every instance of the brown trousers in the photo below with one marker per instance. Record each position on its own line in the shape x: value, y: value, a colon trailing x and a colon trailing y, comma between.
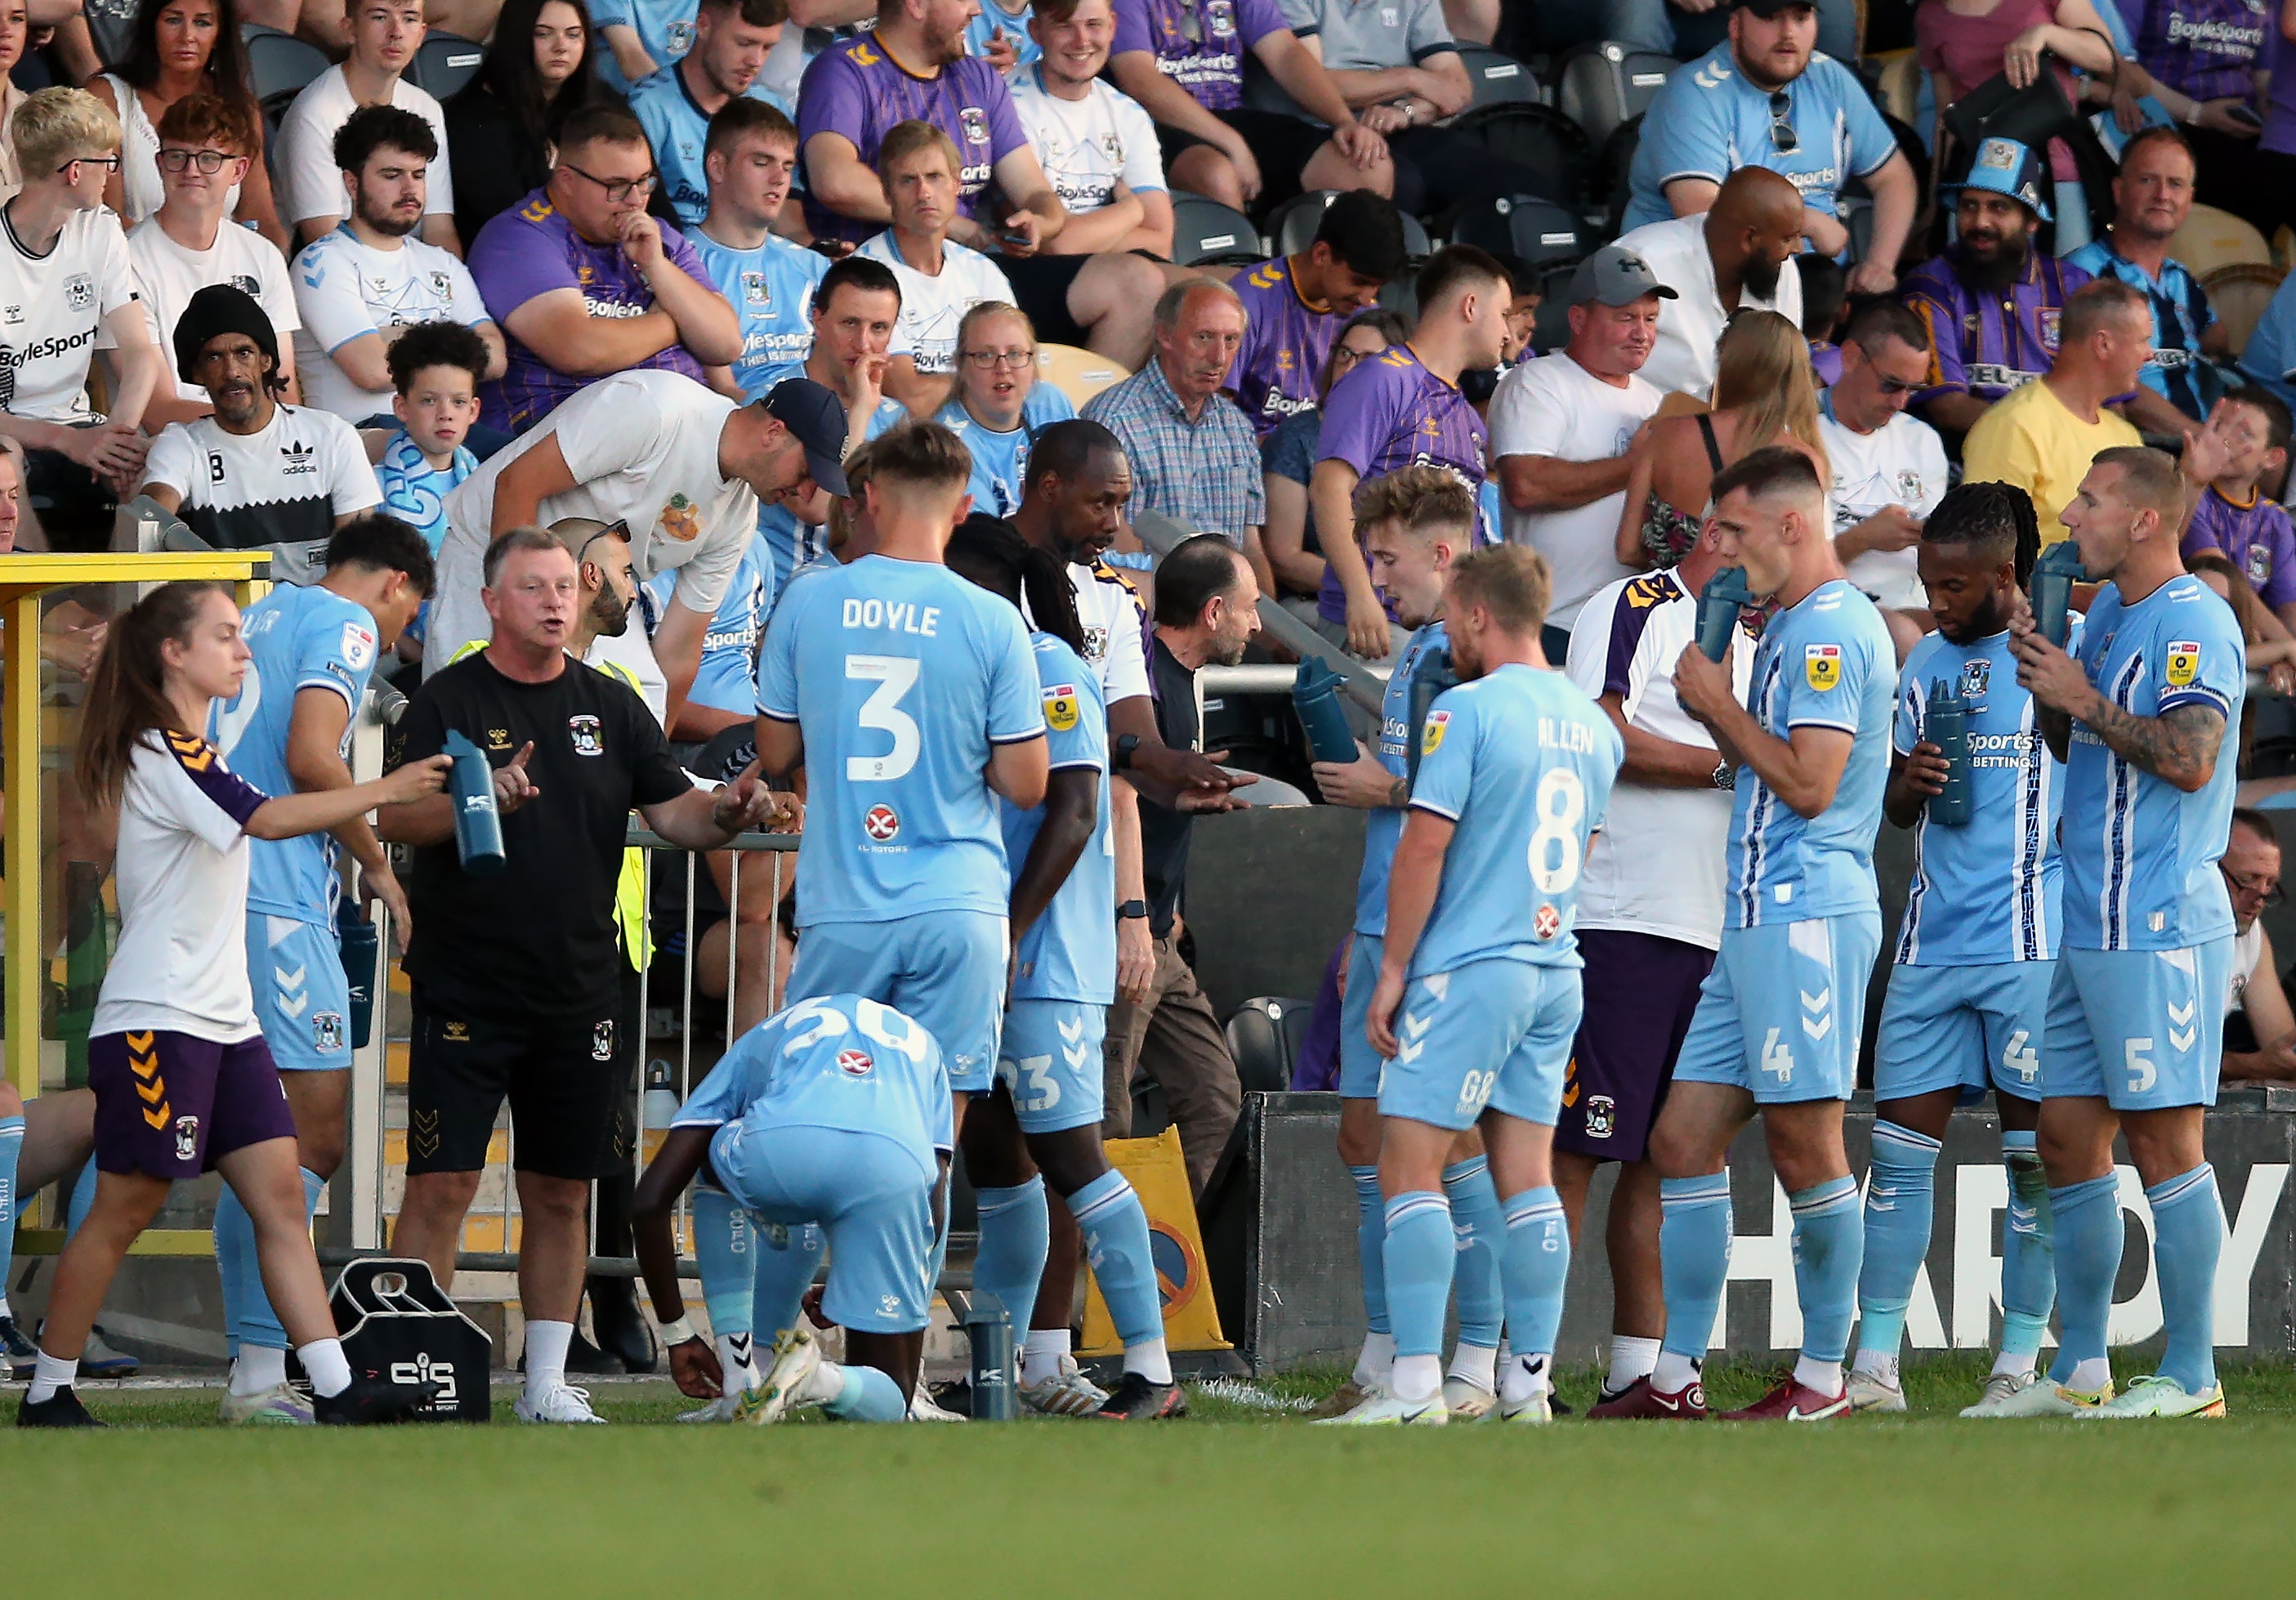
x: 1173, y: 1038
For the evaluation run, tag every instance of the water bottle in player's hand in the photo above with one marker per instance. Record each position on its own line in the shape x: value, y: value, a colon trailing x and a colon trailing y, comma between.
x: 1946, y: 724
x: 1316, y: 698
x: 477, y: 824
x: 1725, y: 595
x: 2053, y: 577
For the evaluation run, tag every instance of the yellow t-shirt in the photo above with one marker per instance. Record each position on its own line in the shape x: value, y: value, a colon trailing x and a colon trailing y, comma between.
x: 2031, y: 440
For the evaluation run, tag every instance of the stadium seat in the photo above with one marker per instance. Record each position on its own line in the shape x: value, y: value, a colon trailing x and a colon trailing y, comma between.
x: 1608, y: 83
x: 1077, y: 374
x: 1291, y: 225
x: 1263, y: 1036
x: 1541, y: 138
x: 2239, y: 294
x: 1208, y: 233
x: 445, y: 64
x: 1537, y: 230
x: 2211, y: 239
x: 1614, y: 184
x: 278, y: 66
x: 1898, y: 83
x: 1550, y: 330
x: 1499, y: 80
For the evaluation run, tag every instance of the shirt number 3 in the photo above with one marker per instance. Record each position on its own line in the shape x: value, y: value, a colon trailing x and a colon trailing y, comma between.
x: 895, y: 675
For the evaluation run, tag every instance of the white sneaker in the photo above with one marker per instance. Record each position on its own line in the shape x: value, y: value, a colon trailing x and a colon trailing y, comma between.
x: 921, y: 1408
x: 1381, y: 1409
x: 1068, y: 1392
x: 2158, y: 1395
x: 725, y: 1408
x: 2038, y: 1397
x: 1529, y: 1412
x: 1871, y: 1391
x: 279, y: 1403
x: 2000, y: 1389
x: 1466, y: 1399
x: 563, y: 1404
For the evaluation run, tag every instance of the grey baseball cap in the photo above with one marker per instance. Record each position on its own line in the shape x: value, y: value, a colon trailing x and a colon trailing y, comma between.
x: 808, y: 410
x: 1615, y: 275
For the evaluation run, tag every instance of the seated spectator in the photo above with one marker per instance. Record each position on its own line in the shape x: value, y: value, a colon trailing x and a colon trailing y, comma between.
x: 364, y: 281
x: 1739, y: 254
x: 255, y: 474
x: 2152, y: 197
x: 180, y: 48
x: 435, y: 368
x: 1182, y: 60
x: 1888, y: 468
x: 641, y: 37
x: 1097, y: 147
x: 2043, y: 436
x: 205, y: 148
x: 1824, y: 297
x: 1001, y: 36
x: 540, y: 68
x: 2200, y: 60
x: 1530, y: 292
x: 2270, y: 649
x: 2234, y: 516
x: 2271, y: 203
x: 1685, y: 30
x: 2251, y: 865
x: 1000, y: 404
x: 1304, y: 580
x: 940, y: 279
x: 731, y: 39
x: 384, y: 35
x: 15, y: 30
x: 1764, y: 394
x: 66, y: 275
x: 2268, y: 360
x: 586, y: 284
x: 1564, y: 427
x: 1993, y: 302
x: 1294, y: 304
x: 1763, y: 98
x: 750, y: 160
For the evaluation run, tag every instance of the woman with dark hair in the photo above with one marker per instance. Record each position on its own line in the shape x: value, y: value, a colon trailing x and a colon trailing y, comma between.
x: 181, y: 47
x: 540, y: 67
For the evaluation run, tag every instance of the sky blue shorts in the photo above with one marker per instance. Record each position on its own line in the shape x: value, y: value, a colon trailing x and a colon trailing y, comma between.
x: 944, y: 969
x: 1359, y: 1063
x: 2142, y: 1029
x: 1782, y: 1013
x: 1493, y: 1034
x: 302, y: 999
x: 1050, y: 1063
x: 1969, y: 1028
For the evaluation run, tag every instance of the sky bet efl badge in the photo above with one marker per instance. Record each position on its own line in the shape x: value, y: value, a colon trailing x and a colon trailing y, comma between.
x: 1822, y: 665
x: 1061, y: 708
x: 2184, y: 662
x: 1431, y: 740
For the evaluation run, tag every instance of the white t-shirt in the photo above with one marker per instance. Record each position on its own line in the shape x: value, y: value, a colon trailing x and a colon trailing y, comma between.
x: 1109, y: 610
x: 2247, y: 953
x: 346, y: 290
x: 1901, y: 462
x: 642, y: 448
x: 1658, y: 864
x: 167, y: 276
x: 285, y: 485
x: 51, y: 308
x: 1689, y: 325
x: 181, y: 871
x: 1086, y: 146
x: 1554, y: 406
x: 932, y: 306
x: 310, y: 182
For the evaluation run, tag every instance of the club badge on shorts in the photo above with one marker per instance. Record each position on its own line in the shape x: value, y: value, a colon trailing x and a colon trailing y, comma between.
x: 187, y: 1137
x: 327, y: 1032
x: 2184, y: 662
x: 1822, y: 665
x: 601, y: 1041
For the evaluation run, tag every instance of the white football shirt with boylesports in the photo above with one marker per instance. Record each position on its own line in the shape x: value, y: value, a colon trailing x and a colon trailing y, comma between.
x: 1087, y: 146
x: 51, y: 306
x: 167, y: 276
x: 932, y: 306
x: 1112, y: 615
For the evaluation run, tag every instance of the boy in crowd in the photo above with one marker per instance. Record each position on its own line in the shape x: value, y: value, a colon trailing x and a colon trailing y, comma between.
x: 435, y: 367
x: 2234, y: 515
x: 1294, y: 306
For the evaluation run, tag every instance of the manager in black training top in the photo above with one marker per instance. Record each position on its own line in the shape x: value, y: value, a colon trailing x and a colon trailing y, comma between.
x: 516, y: 976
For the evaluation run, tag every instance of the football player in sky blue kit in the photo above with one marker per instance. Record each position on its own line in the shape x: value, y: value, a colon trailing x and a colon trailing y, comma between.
x: 999, y: 405
x: 289, y: 730
x: 1970, y: 991
x: 1412, y: 524
x: 1477, y: 998
x: 2136, y: 1020
x: 751, y: 160
x: 835, y: 1111
x: 1781, y: 1016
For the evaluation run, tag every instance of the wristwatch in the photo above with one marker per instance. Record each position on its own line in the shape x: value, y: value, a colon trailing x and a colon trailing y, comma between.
x: 1725, y: 776
x: 1132, y: 908
x: 1121, y: 759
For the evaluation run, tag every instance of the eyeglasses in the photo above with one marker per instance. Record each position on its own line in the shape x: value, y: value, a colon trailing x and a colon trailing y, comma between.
x: 208, y: 161
x: 1783, y: 137
x: 1015, y: 359
x: 619, y: 189
x: 110, y: 163
x: 1898, y: 386
x: 2266, y: 889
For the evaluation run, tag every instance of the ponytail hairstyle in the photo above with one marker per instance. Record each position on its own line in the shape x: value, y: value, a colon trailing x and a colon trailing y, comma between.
x: 990, y: 551
x: 1997, y: 519
x: 126, y: 696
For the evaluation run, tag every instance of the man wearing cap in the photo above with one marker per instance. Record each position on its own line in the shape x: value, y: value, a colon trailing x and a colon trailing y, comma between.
x: 255, y: 473
x: 1993, y: 302
x: 1765, y: 97
x: 1561, y: 426
x: 1736, y: 254
x: 683, y: 468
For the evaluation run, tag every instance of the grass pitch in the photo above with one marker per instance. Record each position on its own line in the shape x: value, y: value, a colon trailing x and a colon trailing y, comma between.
x: 1235, y: 1501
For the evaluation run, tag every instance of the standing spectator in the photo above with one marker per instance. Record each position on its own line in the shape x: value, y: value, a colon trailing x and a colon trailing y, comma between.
x: 1889, y: 468
x: 1287, y: 459
x: 1194, y: 455
x: 64, y: 270
x: 367, y: 280
x: 1563, y: 428
x: 731, y: 39
x: 1764, y: 99
x: 750, y: 160
x: 940, y: 279
x: 2234, y: 516
x: 2200, y: 60
x: 999, y: 405
x: 1993, y: 302
x: 2043, y: 437
x: 1182, y: 60
x: 384, y: 35
x: 2152, y: 197
x: 540, y: 69
x: 1294, y: 304
x: 586, y: 285
x: 1738, y: 253
x: 1097, y: 147
x: 1404, y: 407
x: 205, y: 146
x: 181, y: 48
x: 255, y: 474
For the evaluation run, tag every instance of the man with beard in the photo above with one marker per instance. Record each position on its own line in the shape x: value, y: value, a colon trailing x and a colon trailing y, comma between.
x: 1993, y: 302
x: 1738, y: 253
x: 360, y: 285
x: 257, y: 474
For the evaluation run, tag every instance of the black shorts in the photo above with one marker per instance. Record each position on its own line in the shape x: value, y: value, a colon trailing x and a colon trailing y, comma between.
x: 1040, y: 287
x: 75, y: 506
x: 568, y: 1079
x: 1282, y: 146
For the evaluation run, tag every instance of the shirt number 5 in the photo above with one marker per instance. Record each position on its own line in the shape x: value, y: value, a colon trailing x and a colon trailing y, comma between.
x: 895, y: 675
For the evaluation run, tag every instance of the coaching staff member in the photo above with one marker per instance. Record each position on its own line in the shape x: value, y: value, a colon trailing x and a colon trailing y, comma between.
x: 517, y: 986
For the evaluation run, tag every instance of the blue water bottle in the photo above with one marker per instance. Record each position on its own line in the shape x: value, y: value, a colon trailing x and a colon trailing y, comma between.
x: 1316, y: 699
x: 359, y: 942
x: 1432, y: 676
x: 478, y: 825
x: 996, y: 1372
x: 1719, y: 603
x: 1946, y: 724
x: 2053, y: 577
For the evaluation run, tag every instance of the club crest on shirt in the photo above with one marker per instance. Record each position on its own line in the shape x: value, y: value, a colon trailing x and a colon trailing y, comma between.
x: 1976, y: 677
x: 974, y: 122
x: 755, y: 289
x: 2051, y: 320
x: 1438, y: 723
x: 1821, y: 664
x: 1221, y: 15
x: 12, y: 316
x: 583, y: 730
x: 244, y: 281
x: 680, y: 37
x: 2184, y: 664
x: 601, y: 1041
x: 2259, y: 564
x: 680, y: 519
x: 1909, y: 487
x: 442, y: 286
x: 1096, y: 644
x: 1061, y: 708
x: 79, y: 291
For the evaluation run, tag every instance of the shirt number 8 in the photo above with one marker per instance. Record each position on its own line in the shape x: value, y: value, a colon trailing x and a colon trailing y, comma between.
x: 1554, y: 854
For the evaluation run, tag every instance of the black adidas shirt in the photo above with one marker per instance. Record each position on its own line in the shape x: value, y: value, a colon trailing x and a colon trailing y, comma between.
x: 537, y: 940
x: 284, y: 485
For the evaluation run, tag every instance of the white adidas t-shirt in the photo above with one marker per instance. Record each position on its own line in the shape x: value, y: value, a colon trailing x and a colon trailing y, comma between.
x: 932, y: 306
x: 346, y: 290
x: 310, y: 182
x: 167, y: 276
x: 1086, y: 146
x: 51, y: 308
x: 1902, y: 463
x: 1554, y: 407
x: 284, y: 485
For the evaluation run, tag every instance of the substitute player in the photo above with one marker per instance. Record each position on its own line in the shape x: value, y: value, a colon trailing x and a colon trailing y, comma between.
x: 1478, y: 989
x: 2135, y: 1020
x: 289, y: 730
x: 1968, y: 994
x: 1778, y: 1023
x: 1413, y: 524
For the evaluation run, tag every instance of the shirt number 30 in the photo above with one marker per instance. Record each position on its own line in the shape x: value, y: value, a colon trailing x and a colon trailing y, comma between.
x: 895, y: 675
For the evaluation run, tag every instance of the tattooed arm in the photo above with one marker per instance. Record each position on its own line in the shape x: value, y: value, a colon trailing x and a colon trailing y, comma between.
x: 2178, y: 747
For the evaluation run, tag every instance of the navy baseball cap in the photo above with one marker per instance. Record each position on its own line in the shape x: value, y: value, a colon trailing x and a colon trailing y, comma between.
x: 814, y: 413
x: 2005, y: 167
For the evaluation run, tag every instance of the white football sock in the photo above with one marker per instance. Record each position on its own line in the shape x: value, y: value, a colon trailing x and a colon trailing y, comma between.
x: 1150, y: 1360
x: 1417, y: 1377
x: 1876, y: 1364
x: 1632, y: 1356
x: 736, y: 1358
x: 1522, y: 1377
x: 50, y: 1373
x: 1476, y: 1365
x: 1040, y: 1355
x: 257, y: 1367
x: 1824, y: 1377
x: 1378, y: 1356
x: 2015, y: 1364
x: 323, y: 1359
x: 2091, y: 1375
x: 546, y: 1344
x: 1673, y: 1373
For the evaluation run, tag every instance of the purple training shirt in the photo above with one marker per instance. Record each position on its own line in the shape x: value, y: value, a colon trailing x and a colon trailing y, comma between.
x: 1198, y: 44
x: 1984, y: 344
x: 530, y: 249
x: 1285, y: 343
x: 2204, y: 48
x: 857, y: 88
x: 2256, y: 537
x: 1390, y: 412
